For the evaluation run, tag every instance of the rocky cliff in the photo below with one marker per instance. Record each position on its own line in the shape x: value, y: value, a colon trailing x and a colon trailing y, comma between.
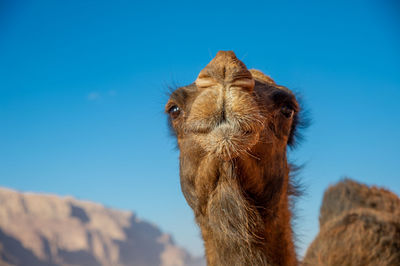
x: 50, y: 230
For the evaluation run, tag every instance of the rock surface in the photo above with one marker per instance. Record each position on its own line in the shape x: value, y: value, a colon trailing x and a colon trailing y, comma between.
x: 50, y: 230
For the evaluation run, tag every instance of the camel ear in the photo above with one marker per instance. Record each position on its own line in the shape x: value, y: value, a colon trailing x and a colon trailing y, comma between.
x: 260, y: 76
x: 227, y: 71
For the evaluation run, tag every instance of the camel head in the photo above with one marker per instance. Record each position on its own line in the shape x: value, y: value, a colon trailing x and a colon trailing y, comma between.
x: 233, y: 126
x: 232, y: 114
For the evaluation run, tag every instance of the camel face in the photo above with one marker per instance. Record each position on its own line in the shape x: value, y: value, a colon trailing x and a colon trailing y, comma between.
x: 229, y: 109
x: 231, y: 114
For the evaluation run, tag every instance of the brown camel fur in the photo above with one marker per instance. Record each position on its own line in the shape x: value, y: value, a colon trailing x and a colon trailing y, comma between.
x: 359, y: 225
x: 233, y: 127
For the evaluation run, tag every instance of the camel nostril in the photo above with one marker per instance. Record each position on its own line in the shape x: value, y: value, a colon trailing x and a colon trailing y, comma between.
x: 247, y: 132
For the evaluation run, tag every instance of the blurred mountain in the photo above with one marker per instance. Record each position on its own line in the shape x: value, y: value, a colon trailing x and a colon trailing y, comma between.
x: 49, y: 230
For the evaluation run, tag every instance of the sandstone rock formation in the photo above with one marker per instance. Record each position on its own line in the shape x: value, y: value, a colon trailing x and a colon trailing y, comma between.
x: 50, y: 230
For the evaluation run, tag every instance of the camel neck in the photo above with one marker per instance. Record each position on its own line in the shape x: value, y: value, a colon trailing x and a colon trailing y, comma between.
x: 241, y: 228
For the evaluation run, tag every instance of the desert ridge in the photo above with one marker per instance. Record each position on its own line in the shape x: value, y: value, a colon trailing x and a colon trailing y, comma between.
x: 49, y: 230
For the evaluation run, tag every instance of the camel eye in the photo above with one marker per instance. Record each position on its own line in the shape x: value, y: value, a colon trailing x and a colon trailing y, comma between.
x: 174, y: 111
x: 287, y: 111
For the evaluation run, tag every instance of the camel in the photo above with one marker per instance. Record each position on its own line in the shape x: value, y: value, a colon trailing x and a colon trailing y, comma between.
x: 233, y: 126
x: 359, y: 225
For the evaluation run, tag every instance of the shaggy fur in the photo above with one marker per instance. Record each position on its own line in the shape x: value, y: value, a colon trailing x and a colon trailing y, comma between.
x: 359, y: 225
x: 348, y: 194
x: 233, y: 127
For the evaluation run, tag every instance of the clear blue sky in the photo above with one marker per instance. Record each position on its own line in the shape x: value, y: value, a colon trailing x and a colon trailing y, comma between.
x: 83, y: 85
